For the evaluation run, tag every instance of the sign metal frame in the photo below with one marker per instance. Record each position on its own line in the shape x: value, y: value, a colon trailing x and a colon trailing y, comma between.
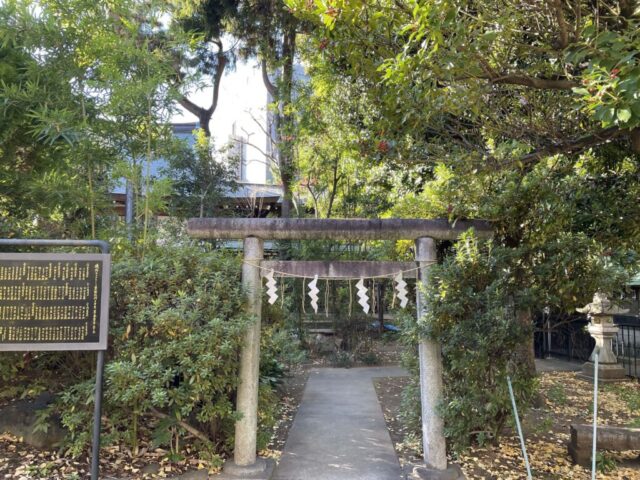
x: 100, y: 346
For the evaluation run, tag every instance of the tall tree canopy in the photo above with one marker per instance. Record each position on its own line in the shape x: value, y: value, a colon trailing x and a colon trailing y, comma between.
x: 508, y: 98
x: 554, y: 77
x: 526, y: 113
x: 269, y: 31
x: 86, y: 100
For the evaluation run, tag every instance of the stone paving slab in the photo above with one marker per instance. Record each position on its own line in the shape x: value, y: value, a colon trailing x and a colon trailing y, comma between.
x: 339, y: 432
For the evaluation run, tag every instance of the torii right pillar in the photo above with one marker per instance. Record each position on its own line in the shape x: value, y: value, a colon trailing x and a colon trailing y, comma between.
x: 430, y: 358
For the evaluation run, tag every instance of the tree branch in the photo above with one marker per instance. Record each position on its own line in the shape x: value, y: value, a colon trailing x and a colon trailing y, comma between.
x: 192, y: 430
x: 257, y: 122
x: 575, y: 146
x: 204, y: 114
x: 563, y: 33
x: 334, y: 187
x: 217, y: 77
x: 191, y: 107
x: 533, y: 82
x: 273, y: 156
x: 313, y: 196
x: 260, y: 151
x: 265, y: 78
x: 578, y: 21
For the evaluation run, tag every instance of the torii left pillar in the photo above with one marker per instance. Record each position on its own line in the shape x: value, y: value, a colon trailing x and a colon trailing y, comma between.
x: 434, y: 448
x: 246, y: 463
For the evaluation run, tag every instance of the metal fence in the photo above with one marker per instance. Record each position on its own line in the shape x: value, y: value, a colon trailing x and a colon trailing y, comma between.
x: 626, y: 345
x: 571, y: 341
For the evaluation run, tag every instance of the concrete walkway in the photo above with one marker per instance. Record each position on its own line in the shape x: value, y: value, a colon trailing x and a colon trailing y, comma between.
x: 339, y: 432
x: 557, y: 365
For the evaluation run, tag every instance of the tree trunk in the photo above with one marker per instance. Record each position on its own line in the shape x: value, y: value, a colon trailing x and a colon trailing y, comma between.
x: 204, y: 114
x: 282, y: 94
x: 287, y: 126
x: 525, y: 354
x: 334, y: 188
x: 287, y: 197
x: 635, y: 140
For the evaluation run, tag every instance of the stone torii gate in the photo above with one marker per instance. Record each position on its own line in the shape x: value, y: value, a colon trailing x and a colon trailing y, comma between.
x: 254, y: 231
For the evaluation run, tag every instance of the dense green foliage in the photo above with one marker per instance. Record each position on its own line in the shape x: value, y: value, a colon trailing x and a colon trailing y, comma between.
x: 200, y: 178
x: 86, y: 100
x: 569, y: 228
x: 457, y: 71
x: 480, y: 336
x: 521, y: 113
x: 45, y: 118
x: 175, y: 339
x: 176, y: 323
x: 88, y: 91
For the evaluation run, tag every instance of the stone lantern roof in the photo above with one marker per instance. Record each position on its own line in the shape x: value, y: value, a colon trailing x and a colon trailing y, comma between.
x: 601, y: 306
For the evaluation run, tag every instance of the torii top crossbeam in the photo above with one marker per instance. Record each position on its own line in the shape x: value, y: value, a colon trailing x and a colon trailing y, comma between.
x: 333, y: 229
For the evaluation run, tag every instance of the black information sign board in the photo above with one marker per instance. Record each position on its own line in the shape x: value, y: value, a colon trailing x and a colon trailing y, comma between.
x: 57, y: 301
x: 53, y: 301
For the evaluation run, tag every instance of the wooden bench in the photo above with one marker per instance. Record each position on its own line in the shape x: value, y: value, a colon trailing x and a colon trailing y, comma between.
x: 609, y: 438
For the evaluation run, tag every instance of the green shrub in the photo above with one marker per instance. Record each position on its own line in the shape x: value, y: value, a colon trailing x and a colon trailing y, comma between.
x: 605, y: 462
x: 470, y: 301
x: 177, y: 318
x: 369, y: 358
x: 280, y: 350
x: 176, y: 323
x: 341, y: 359
x: 410, y: 401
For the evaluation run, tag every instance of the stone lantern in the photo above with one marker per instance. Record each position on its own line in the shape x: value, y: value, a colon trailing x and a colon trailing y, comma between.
x: 601, y: 327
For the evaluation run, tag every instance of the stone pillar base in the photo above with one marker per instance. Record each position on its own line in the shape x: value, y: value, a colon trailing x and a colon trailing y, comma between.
x: 420, y: 472
x: 261, y: 470
x: 607, y: 372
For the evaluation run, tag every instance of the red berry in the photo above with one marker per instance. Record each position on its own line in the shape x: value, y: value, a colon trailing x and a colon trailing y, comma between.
x: 383, y: 146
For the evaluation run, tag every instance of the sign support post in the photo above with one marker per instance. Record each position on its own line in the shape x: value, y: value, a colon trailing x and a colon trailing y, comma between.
x: 97, y: 415
x: 61, y: 303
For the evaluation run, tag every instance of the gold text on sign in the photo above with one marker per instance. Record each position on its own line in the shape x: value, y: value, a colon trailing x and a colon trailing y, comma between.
x: 55, y: 301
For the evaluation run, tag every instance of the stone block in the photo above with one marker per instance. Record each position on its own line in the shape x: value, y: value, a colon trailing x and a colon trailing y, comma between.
x: 20, y: 419
x: 609, y: 438
x: 422, y: 472
x: 261, y: 470
x: 607, y: 372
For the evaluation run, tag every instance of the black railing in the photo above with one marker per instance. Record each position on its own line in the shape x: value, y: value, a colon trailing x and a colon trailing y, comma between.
x: 572, y: 342
x: 568, y: 340
x: 626, y: 345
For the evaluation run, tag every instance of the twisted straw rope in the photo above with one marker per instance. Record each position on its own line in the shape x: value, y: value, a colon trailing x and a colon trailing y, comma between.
x: 290, y: 275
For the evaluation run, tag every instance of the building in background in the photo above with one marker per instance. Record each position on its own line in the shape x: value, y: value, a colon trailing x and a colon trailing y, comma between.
x: 122, y: 194
x: 242, y: 128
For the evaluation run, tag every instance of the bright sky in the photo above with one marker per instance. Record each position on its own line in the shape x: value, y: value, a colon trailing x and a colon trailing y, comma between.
x: 242, y: 95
